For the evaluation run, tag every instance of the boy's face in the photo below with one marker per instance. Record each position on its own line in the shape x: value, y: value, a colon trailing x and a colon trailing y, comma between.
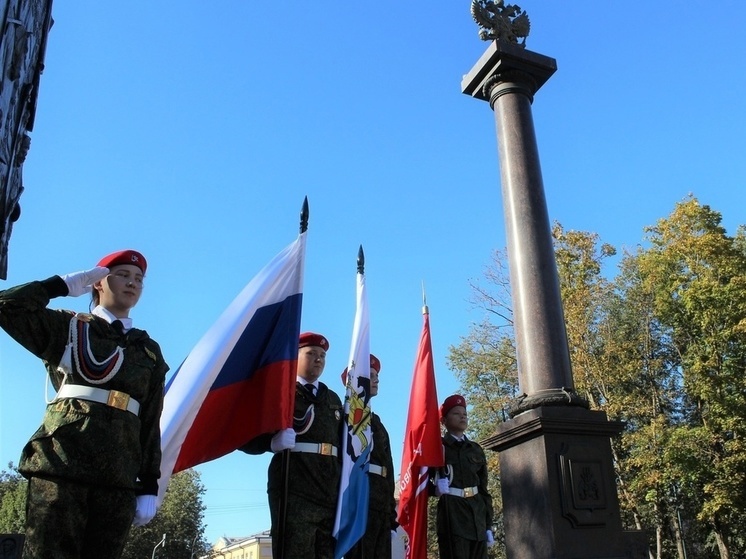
x: 311, y: 362
x: 373, y: 382
x: 456, y: 420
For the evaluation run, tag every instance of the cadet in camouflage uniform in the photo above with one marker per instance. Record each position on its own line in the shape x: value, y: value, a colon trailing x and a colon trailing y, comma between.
x: 464, y: 519
x: 314, y: 462
x: 94, y: 463
x: 376, y: 543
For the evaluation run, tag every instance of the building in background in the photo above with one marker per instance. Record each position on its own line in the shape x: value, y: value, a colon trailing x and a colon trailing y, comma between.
x: 26, y: 24
x: 258, y: 546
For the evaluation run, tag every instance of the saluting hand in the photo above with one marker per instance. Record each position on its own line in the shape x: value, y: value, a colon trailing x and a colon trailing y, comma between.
x: 79, y: 283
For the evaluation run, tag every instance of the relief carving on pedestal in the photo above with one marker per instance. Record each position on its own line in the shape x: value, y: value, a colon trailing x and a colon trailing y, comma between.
x: 583, y: 486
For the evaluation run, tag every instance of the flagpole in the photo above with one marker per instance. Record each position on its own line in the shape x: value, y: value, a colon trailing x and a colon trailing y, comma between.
x: 354, y: 489
x: 443, y: 470
x: 361, y: 271
x: 423, y: 445
x: 285, y: 465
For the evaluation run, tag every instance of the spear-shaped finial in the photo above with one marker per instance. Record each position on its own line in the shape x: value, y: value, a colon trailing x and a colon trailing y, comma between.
x: 360, y: 261
x: 304, y: 216
x: 425, y: 310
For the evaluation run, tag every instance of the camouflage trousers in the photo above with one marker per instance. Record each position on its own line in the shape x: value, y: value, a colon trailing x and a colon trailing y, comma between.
x: 453, y: 547
x: 308, y: 529
x: 376, y: 543
x: 69, y: 520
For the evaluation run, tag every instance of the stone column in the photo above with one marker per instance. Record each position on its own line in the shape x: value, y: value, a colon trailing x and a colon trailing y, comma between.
x: 557, y: 476
x: 508, y: 76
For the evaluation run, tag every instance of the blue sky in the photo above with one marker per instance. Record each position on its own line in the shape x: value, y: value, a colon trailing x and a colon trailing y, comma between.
x: 192, y: 132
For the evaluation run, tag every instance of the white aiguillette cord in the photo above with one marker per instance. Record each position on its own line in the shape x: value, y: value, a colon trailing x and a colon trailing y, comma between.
x: 87, y: 364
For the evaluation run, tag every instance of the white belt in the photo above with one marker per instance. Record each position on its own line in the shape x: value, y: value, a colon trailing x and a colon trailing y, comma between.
x: 376, y: 469
x: 325, y: 449
x: 465, y: 492
x: 113, y: 398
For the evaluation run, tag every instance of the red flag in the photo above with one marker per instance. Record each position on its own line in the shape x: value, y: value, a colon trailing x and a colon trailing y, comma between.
x: 422, y: 447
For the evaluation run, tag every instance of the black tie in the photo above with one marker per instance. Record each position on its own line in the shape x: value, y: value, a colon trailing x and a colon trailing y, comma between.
x: 118, y: 327
x: 310, y: 388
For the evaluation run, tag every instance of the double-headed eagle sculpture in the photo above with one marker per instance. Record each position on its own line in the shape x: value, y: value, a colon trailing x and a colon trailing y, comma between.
x: 498, y: 22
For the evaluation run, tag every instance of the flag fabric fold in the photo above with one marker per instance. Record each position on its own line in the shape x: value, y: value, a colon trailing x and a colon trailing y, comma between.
x: 357, y: 442
x: 423, y: 447
x: 238, y: 382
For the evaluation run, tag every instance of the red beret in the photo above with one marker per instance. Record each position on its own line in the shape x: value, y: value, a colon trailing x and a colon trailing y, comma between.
x: 374, y: 364
x: 450, y: 403
x: 309, y: 338
x: 124, y: 257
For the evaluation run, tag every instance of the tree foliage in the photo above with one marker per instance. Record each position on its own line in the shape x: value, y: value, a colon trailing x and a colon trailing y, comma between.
x: 697, y: 276
x: 662, y: 347
x: 180, y: 518
x: 12, y: 501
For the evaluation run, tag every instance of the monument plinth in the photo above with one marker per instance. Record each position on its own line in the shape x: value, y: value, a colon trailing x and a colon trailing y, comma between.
x: 556, y: 470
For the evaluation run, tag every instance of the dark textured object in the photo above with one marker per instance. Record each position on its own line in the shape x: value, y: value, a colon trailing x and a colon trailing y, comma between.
x: 25, y: 25
x: 11, y: 546
x: 498, y: 22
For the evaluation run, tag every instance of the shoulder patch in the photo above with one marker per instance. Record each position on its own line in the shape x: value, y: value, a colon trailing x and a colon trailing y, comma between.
x: 151, y: 354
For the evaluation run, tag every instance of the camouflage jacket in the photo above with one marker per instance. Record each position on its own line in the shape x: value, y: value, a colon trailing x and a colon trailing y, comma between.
x: 315, y: 477
x: 381, y: 500
x: 78, y: 439
x: 466, y: 517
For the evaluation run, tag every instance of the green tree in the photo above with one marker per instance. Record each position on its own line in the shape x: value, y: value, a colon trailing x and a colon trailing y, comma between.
x: 645, y: 391
x: 697, y: 274
x: 584, y: 290
x: 661, y: 347
x: 12, y: 501
x: 180, y: 517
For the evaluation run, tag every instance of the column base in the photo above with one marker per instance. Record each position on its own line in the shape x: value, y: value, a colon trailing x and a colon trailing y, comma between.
x: 548, y: 397
x: 558, y: 486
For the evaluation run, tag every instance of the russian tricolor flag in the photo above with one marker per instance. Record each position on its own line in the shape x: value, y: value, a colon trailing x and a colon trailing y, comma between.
x: 238, y: 382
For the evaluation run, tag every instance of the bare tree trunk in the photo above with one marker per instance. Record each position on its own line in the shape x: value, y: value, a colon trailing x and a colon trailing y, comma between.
x: 658, y: 541
x: 628, y: 498
x: 722, y: 542
x: 678, y: 537
x: 658, y: 532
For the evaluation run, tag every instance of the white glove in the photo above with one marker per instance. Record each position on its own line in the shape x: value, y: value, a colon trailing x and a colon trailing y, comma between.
x: 283, y: 440
x: 79, y: 283
x: 490, y: 539
x: 145, y: 510
x: 442, y: 486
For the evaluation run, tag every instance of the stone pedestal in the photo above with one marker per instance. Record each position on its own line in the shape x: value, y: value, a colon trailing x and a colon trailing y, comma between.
x: 558, y: 486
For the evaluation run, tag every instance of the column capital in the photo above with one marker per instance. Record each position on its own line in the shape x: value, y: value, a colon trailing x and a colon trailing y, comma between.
x: 507, y: 63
